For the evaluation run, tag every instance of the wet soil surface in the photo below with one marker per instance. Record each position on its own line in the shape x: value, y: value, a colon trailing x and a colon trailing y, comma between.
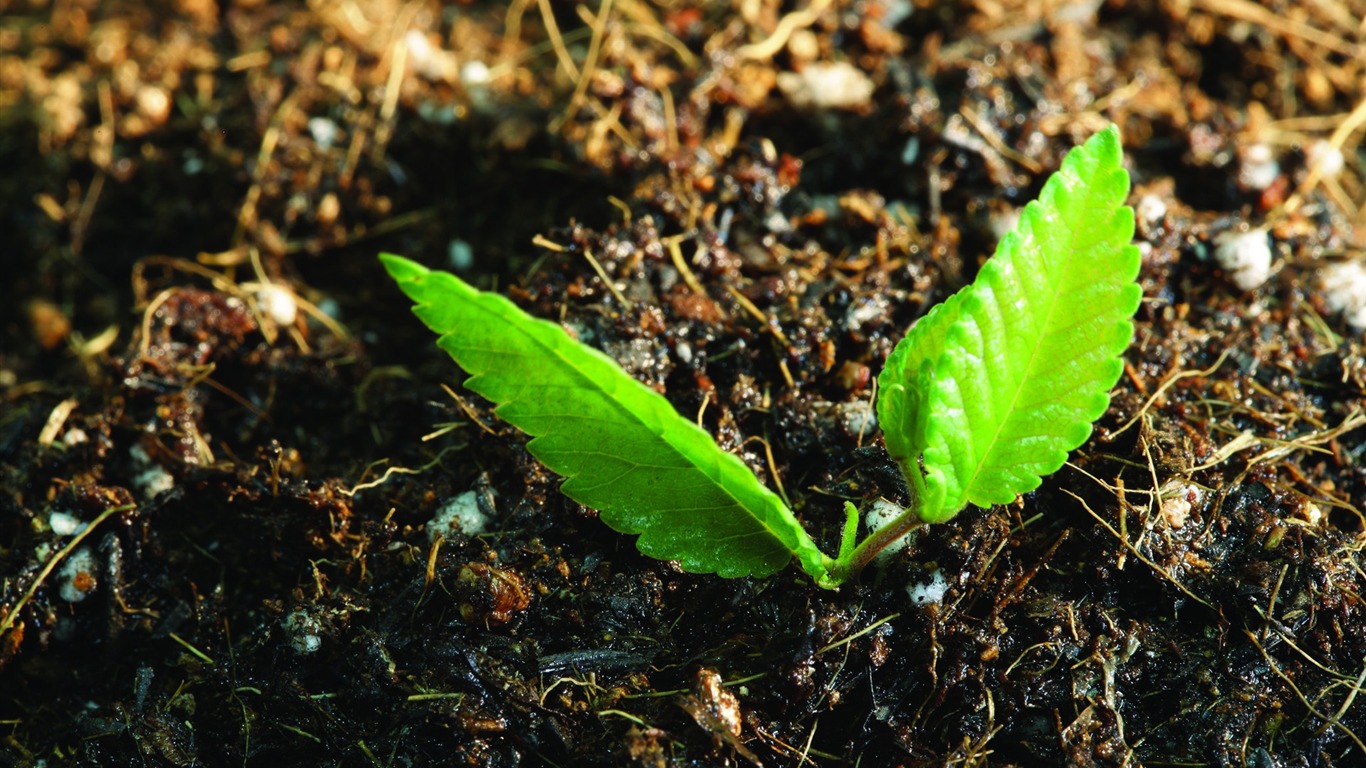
x: 242, y: 520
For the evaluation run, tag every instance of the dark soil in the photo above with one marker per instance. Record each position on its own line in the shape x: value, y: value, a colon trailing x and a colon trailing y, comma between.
x: 224, y: 438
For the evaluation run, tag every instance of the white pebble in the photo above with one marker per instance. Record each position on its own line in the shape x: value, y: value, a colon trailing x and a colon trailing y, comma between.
x: 931, y: 592
x: 303, y: 632
x: 324, y: 131
x: 911, y: 151
x: 154, y: 103
x: 65, y: 523
x: 1344, y: 290
x: 420, y: 49
x: 1151, y: 209
x: 827, y: 85
x: 76, y: 578
x: 427, y: 60
x: 1246, y: 256
x: 1176, y: 511
x: 865, y: 311
x: 459, y: 515
x: 1178, y: 501
x: 1325, y: 159
x: 475, y: 74
x: 856, y: 418
x: 151, y: 479
x: 1004, y: 221
x: 1259, y: 167
x: 278, y: 304
x: 880, y: 514
x: 460, y: 255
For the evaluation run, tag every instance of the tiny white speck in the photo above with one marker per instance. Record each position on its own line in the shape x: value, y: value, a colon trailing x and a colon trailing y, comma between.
x: 827, y: 85
x: 1325, y: 158
x: 1344, y: 290
x: 1246, y: 256
x: 475, y: 73
x: 151, y: 478
x: 303, y: 632
x: 1259, y: 167
x: 931, y: 592
x: 324, y: 131
x: 278, y: 304
x: 65, y: 524
x: 911, y: 151
x: 880, y: 514
x: 460, y: 255
x: 1151, y: 209
x: 1004, y: 222
x: 77, y: 576
x: 460, y: 514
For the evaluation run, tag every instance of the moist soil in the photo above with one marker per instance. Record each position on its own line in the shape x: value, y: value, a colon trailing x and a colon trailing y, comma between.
x: 226, y: 446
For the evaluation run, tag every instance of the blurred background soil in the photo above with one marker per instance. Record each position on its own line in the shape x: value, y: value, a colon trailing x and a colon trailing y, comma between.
x: 243, y: 520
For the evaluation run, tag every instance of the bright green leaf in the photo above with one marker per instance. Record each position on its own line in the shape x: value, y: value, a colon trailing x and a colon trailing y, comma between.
x: 1009, y: 374
x: 623, y: 448
x: 905, y: 378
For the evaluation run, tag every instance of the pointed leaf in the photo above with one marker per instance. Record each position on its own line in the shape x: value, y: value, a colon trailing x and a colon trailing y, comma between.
x: 625, y: 450
x: 906, y: 377
x: 1029, y: 364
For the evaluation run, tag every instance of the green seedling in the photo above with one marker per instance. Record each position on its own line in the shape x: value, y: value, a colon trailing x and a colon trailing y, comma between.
x: 985, y: 396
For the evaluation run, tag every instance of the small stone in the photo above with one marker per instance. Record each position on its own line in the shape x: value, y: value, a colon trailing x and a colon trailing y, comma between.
x: 475, y: 74
x: 1246, y: 256
x: 1344, y: 291
x: 1151, y: 209
x: 278, y: 304
x: 154, y: 104
x: 460, y: 255
x: 304, y: 632
x: 150, y: 478
x: 459, y: 515
x: 324, y: 131
x: 880, y: 514
x: 65, y: 523
x: 76, y: 578
x: 1259, y: 167
x: 1325, y: 159
x: 930, y: 592
x: 826, y: 85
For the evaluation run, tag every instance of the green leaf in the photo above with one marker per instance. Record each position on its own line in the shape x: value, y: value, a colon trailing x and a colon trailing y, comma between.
x: 1007, y: 376
x: 623, y: 448
x: 905, y: 378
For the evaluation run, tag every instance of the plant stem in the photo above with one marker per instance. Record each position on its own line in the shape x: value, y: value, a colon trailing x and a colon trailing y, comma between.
x: 850, y: 564
x: 884, y: 537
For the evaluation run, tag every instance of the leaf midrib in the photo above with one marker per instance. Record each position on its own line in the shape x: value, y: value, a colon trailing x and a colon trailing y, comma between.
x: 618, y: 407
x: 1056, y: 292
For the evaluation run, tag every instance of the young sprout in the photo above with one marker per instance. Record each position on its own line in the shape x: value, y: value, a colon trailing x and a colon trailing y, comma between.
x: 985, y: 396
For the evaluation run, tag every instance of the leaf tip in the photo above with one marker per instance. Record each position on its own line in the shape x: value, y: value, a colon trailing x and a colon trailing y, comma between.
x: 1106, y: 146
x: 402, y: 269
